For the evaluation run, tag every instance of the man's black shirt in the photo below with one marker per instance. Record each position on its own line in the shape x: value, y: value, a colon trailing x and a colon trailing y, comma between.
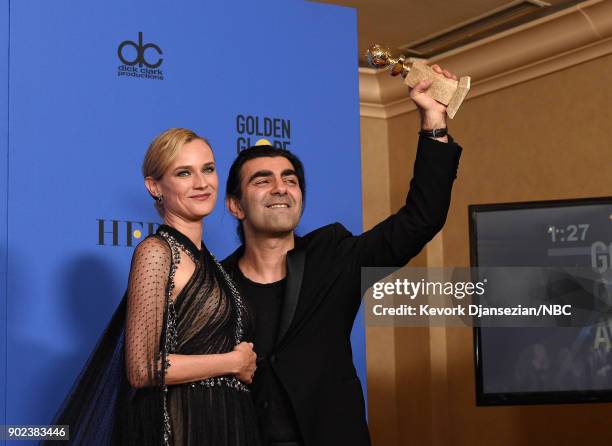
x: 276, y: 418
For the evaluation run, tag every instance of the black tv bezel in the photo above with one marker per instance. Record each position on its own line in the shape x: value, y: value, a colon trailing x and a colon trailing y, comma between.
x: 525, y: 398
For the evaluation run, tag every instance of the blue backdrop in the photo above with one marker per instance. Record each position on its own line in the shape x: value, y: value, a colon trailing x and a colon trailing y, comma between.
x: 90, y: 84
x: 4, y: 45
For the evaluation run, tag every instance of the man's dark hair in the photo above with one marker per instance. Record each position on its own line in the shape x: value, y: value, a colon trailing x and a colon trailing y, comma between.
x: 233, y: 185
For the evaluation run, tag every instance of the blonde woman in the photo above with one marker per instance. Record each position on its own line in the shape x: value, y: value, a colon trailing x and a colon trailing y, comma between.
x: 173, y: 366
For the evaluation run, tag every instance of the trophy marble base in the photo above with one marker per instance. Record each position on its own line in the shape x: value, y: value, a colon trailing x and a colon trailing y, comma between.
x: 446, y: 91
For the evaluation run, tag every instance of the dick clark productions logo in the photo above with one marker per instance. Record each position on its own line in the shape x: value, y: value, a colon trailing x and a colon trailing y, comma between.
x: 139, y: 59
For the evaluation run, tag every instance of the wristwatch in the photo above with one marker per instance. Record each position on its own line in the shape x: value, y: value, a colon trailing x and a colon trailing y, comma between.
x: 434, y: 133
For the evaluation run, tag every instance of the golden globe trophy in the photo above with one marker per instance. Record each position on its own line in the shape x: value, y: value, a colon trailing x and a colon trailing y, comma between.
x: 444, y: 90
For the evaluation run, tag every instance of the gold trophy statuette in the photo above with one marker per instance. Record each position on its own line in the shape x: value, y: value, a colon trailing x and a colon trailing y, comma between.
x: 444, y: 90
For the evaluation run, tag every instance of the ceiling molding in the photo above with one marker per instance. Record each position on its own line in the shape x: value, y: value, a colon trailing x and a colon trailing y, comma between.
x: 517, y: 11
x: 570, y: 37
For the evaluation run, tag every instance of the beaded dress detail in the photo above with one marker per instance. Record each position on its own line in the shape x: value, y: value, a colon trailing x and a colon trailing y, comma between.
x: 207, y: 316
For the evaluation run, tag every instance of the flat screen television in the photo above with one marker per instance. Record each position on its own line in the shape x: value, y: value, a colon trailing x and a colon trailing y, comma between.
x: 549, y: 365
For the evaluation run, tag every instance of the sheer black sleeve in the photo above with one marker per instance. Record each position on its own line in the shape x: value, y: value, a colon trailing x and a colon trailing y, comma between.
x: 104, y: 406
x: 146, y: 300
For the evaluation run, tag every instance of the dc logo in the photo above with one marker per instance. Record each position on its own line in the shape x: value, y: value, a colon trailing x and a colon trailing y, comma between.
x: 141, y: 53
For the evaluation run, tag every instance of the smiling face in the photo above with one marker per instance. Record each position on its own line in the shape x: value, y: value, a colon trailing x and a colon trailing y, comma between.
x: 271, y: 199
x: 189, y: 185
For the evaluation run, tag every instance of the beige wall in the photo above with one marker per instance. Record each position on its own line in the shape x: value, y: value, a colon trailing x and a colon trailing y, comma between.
x: 547, y: 138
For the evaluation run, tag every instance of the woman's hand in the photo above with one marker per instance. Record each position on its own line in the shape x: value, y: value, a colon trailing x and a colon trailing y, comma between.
x: 245, y: 359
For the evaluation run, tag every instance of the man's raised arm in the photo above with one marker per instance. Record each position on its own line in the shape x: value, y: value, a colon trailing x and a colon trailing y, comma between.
x: 400, y: 237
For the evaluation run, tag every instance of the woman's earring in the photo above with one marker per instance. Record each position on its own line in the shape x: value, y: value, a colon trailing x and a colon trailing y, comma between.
x: 159, y: 198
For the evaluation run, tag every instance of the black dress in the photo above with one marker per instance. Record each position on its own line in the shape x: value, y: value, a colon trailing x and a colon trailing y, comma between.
x: 121, y: 397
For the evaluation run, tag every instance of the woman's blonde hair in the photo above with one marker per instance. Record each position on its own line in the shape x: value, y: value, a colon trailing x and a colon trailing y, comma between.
x: 162, y: 152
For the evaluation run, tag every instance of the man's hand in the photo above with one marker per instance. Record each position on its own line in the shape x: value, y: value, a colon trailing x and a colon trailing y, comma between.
x: 433, y: 113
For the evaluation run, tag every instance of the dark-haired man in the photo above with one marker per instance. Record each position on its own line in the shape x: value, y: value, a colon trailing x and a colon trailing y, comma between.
x: 305, y: 291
